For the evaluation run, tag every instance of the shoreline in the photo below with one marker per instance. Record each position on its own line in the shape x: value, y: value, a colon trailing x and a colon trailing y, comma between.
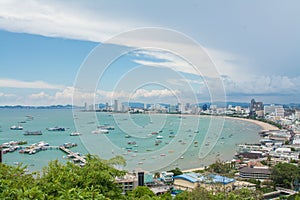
x: 263, y: 125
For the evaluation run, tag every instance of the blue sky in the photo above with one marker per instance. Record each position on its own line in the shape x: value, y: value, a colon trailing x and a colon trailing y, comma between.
x: 254, y: 45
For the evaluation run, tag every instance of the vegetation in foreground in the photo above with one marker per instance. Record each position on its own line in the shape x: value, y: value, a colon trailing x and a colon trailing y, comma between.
x: 97, y: 181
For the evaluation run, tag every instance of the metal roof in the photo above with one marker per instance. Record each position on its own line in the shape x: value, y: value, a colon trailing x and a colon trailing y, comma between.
x: 211, y: 178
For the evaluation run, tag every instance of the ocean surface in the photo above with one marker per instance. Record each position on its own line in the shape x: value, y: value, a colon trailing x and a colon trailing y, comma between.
x: 151, y: 142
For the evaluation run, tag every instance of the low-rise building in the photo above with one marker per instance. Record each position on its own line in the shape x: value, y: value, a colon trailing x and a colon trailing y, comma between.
x: 190, y: 181
x: 255, y: 172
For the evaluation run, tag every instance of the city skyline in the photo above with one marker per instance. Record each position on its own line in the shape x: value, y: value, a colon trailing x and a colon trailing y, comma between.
x: 44, y: 45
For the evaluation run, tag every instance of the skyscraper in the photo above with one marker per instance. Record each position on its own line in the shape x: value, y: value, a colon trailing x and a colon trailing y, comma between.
x: 254, y: 107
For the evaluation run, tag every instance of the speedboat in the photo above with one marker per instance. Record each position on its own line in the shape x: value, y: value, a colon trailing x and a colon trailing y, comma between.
x: 14, y: 127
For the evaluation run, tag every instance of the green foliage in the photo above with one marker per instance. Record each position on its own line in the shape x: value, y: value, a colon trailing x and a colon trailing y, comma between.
x: 176, y: 171
x: 203, y: 194
x: 94, y: 181
x: 285, y: 174
x: 141, y: 192
x: 222, y: 168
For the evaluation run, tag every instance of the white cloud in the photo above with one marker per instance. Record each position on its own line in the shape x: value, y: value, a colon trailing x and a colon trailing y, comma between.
x: 263, y: 85
x: 12, y: 83
x: 155, y: 93
x: 63, y: 19
x: 6, y: 95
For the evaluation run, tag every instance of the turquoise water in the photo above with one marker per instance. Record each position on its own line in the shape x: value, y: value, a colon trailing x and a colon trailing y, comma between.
x: 197, y: 141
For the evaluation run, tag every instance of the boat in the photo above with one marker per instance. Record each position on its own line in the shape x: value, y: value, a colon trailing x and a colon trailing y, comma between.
x: 157, y: 142
x: 75, y: 134
x: 159, y: 137
x: 33, y: 133
x: 14, y: 127
x: 154, y: 133
x: 106, y: 127
x: 97, y: 131
x: 131, y: 142
x: 127, y: 136
x: 56, y: 129
x: 196, y: 131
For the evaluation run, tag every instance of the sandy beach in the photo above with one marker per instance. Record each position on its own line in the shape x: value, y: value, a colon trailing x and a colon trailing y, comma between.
x: 263, y: 125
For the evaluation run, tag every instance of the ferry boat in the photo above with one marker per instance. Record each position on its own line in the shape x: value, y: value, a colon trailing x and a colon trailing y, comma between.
x: 56, y: 129
x: 14, y: 127
x: 33, y: 133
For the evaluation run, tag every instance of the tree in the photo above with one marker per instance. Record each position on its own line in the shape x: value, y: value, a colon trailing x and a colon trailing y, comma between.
x: 285, y: 174
x: 141, y: 192
x: 176, y: 171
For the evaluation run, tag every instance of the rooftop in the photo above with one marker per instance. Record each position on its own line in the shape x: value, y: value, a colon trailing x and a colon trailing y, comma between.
x: 211, y: 178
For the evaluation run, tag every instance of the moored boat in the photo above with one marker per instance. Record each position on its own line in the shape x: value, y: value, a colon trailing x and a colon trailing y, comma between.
x: 98, y: 131
x: 56, y: 129
x: 14, y: 127
x: 75, y: 134
x: 33, y: 133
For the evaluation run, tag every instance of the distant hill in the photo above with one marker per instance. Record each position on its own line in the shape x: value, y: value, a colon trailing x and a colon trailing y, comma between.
x: 42, y: 107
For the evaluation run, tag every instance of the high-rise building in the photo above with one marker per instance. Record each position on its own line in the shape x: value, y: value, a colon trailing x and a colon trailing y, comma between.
x: 273, y: 110
x: 255, y: 106
x: 116, y: 106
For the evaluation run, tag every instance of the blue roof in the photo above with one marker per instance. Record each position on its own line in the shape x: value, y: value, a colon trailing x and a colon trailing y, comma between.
x: 211, y: 178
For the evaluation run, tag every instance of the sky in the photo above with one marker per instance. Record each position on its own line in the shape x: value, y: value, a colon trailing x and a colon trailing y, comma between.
x: 169, y: 51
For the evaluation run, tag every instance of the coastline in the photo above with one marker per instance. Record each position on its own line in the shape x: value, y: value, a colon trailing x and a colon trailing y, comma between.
x: 263, y: 125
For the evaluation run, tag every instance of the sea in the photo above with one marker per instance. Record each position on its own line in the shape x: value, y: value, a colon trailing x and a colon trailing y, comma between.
x: 151, y: 142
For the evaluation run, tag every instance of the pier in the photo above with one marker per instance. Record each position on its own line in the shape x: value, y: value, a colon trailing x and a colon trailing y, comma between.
x: 71, y: 154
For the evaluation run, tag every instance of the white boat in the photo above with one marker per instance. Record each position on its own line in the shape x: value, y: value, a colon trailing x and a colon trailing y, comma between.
x: 14, y: 127
x: 98, y: 131
x: 75, y: 134
x: 56, y: 129
x: 159, y: 137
